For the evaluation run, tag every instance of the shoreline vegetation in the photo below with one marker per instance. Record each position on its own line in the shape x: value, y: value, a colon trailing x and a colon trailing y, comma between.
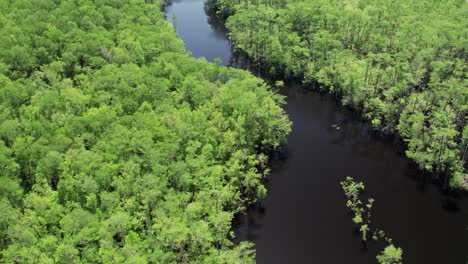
x: 116, y: 146
x: 402, y: 65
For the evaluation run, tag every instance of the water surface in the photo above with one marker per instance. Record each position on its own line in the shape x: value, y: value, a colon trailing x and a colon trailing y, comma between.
x: 203, y: 35
x: 304, y: 218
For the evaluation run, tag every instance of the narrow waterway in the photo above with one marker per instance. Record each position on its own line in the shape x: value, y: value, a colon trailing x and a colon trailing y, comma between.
x: 304, y: 218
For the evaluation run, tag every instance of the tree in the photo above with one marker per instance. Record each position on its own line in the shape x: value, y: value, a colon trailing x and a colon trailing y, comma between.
x: 390, y: 255
x: 362, y: 218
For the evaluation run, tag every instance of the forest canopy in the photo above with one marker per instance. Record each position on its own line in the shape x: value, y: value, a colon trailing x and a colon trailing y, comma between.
x: 116, y: 146
x: 402, y: 64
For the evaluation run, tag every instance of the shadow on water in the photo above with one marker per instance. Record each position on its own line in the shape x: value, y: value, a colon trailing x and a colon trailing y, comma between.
x: 304, y: 218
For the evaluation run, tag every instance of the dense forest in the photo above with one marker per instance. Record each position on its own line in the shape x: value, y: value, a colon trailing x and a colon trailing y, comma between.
x: 116, y: 146
x: 402, y: 64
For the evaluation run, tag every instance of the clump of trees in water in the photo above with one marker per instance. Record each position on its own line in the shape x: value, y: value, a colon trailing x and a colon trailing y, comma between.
x: 362, y: 212
x: 403, y: 64
x: 116, y: 146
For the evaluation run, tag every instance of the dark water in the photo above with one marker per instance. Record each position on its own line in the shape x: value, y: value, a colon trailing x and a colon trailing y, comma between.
x: 304, y: 218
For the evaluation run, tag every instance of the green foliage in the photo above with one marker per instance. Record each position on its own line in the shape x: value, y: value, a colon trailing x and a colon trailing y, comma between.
x: 361, y: 211
x: 390, y: 255
x: 362, y: 218
x: 116, y: 146
x: 402, y: 64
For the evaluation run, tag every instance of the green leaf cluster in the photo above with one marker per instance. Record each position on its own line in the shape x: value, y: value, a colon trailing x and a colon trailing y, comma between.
x: 390, y: 255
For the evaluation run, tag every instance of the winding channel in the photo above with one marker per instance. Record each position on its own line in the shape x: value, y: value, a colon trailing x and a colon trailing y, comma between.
x: 304, y: 218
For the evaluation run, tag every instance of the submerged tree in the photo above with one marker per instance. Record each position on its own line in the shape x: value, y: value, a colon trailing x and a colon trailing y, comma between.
x: 362, y: 218
x: 390, y: 255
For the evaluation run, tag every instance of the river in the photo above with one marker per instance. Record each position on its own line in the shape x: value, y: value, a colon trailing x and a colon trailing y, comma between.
x: 304, y: 218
